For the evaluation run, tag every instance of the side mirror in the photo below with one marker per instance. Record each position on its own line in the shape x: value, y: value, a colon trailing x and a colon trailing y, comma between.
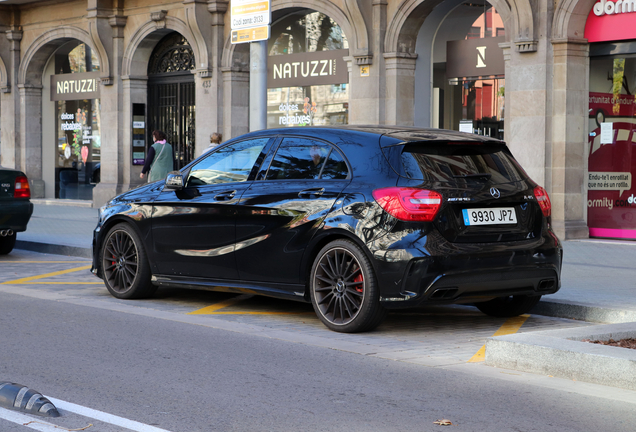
x: 174, y: 180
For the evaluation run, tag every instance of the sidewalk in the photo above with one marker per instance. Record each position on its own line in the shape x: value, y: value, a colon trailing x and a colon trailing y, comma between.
x: 598, y: 285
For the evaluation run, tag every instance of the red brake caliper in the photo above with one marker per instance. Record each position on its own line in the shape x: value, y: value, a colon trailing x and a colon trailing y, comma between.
x: 359, y: 279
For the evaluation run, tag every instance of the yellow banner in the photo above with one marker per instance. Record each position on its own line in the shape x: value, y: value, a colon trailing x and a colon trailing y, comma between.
x: 250, y: 8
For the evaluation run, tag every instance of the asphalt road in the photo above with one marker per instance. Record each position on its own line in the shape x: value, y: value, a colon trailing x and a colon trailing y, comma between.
x: 154, y: 365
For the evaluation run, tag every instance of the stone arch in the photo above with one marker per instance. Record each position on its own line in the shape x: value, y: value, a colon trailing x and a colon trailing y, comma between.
x: 138, y: 51
x: 351, y: 22
x: 38, y: 53
x: 4, y: 78
x: 569, y: 19
x: 402, y: 31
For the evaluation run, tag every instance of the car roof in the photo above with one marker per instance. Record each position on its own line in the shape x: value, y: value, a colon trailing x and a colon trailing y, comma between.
x: 398, y: 134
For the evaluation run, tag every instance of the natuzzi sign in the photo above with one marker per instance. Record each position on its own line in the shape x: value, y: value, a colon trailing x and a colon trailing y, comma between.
x: 474, y: 58
x: 75, y: 86
x: 307, y: 69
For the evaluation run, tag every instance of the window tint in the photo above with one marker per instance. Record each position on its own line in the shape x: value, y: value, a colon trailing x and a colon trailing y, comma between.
x: 335, y: 168
x: 451, y: 162
x: 298, y: 159
x: 232, y: 163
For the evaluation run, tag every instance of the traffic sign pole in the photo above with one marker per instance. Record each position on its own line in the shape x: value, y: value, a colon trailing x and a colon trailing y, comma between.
x: 258, y: 85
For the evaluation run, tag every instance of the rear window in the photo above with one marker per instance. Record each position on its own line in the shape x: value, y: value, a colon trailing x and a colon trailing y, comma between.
x: 450, y: 162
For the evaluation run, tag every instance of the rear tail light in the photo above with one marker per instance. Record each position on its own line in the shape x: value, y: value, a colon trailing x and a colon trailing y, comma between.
x: 544, y: 200
x: 21, y: 189
x: 409, y: 204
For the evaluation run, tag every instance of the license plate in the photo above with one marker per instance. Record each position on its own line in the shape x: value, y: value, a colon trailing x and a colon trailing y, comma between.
x: 490, y: 216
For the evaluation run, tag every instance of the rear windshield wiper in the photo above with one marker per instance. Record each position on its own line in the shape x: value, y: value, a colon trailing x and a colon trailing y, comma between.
x: 478, y: 175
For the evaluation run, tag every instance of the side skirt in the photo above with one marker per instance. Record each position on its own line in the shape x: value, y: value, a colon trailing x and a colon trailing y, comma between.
x: 284, y: 291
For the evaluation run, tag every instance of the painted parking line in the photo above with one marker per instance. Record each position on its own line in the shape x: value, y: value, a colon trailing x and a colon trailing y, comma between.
x: 65, y: 283
x: 212, y: 309
x: 104, y: 417
x: 215, y: 309
x: 43, y: 426
x: 42, y: 276
x: 511, y: 326
x: 43, y: 262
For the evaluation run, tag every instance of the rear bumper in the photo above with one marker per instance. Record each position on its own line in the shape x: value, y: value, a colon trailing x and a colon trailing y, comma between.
x: 15, y: 214
x: 442, y: 272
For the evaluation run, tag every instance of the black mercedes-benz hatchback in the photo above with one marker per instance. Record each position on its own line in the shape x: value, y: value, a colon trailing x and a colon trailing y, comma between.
x: 355, y: 220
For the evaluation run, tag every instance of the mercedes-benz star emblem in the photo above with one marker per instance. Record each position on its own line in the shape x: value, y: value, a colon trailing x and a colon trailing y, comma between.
x: 495, y: 192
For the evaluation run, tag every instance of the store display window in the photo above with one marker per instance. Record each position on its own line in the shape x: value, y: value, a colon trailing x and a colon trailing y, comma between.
x: 611, y: 198
x: 75, y: 90
x: 307, y: 75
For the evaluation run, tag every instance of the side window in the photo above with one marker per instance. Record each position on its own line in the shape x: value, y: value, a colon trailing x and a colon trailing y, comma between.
x: 232, y: 163
x: 298, y: 159
x: 335, y: 168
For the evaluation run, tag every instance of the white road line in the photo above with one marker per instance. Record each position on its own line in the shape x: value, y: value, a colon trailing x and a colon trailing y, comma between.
x: 22, y: 419
x: 104, y: 417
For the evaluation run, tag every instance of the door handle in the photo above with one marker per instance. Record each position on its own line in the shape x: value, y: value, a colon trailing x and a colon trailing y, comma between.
x: 225, y: 196
x: 311, y: 193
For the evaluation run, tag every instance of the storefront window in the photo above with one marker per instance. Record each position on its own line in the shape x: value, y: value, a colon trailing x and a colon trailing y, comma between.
x: 612, y: 147
x: 75, y: 90
x: 475, y: 72
x: 307, y: 75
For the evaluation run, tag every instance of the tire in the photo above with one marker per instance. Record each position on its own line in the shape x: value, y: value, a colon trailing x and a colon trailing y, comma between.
x: 344, y: 290
x: 7, y: 243
x: 125, y: 264
x: 511, y: 306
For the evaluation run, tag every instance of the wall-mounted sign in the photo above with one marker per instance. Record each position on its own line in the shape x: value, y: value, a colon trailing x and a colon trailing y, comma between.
x: 75, y: 86
x: 611, y: 21
x: 139, y: 134
x: 250, y: 20
x: 364, y: 71
x: 475, y: 58
x: 250, y: 34
x: 307, y: 69
x: 249, y: 13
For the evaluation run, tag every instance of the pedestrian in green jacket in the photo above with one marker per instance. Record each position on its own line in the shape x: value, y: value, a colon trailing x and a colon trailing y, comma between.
x: 160, y: 159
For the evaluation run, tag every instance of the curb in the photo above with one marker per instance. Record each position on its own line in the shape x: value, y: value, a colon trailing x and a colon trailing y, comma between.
x: 560, y: 353
x: 75, y: 251
x: 583, y: 312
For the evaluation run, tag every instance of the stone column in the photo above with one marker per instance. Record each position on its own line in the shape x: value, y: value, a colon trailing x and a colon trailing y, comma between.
x: 400, y: 88
x: 115, y: 162
x: 134, y: 90
x: 10, y: 99
x: 236, y: 102
x: 367, y: 93
x: 568, y: 156
x: 30, y: 147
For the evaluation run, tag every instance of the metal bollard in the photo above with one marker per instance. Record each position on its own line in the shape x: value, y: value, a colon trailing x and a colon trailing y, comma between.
x: 18, y: 397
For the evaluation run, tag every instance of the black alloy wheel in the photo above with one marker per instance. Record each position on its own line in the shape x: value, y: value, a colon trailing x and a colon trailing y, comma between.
x: 125, y: 265
x: 511, y: 306
x: 344, y: 290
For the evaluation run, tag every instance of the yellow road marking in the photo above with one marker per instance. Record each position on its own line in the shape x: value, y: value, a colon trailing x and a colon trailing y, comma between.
x: 512, y: 325
x: 57, y: 273
x: 215, y: 307
x: 255, y: 313
x: 66, y: 283
x: 44, y: 262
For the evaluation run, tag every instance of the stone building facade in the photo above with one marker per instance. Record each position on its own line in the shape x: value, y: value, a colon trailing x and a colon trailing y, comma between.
x: 396, y: 54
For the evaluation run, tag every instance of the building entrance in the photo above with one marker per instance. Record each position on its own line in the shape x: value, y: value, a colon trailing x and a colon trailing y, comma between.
x: 171, y: 95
